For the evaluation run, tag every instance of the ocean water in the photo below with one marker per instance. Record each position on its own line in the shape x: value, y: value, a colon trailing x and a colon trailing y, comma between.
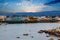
x: 11, y: 31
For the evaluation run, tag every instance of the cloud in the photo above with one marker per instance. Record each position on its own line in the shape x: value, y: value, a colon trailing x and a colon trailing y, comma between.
x: 50, y: 8
x: 5, y: 4
x: 28, y: 6
x: 52, y: 2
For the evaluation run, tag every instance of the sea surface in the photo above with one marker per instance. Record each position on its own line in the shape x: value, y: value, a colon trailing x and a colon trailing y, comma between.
x: 12, y: 31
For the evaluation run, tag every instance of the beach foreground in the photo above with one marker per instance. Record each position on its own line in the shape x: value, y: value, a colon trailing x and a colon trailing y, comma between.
x: 27, y: 31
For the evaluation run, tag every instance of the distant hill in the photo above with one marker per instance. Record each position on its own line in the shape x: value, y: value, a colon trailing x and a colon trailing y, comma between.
x: 46, y: 13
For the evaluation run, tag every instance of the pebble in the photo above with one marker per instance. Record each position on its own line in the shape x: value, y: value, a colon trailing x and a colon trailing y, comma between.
x: 25, y: 34
x: 17, y: 37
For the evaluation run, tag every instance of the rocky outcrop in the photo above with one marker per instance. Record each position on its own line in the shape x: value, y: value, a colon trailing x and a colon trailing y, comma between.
x: 55, y: 32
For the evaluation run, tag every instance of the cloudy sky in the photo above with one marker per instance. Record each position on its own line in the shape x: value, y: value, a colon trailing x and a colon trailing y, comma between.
x: 29, y: 5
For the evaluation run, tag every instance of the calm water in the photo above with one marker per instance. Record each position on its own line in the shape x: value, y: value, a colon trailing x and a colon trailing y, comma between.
x: 11, y: 31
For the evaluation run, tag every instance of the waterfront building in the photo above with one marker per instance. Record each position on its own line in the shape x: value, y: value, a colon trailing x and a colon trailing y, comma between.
x: 2, y: 18
x: 31, y: 18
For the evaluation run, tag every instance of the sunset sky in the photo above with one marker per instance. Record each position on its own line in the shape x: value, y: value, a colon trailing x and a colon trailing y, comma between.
x: 29, y: 5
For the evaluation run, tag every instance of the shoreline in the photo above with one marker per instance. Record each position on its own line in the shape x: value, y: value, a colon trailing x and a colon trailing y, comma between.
x: 17, y: 22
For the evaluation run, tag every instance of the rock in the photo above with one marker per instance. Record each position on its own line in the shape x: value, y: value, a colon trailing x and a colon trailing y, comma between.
x: 59, y: 39
x: 31, y: 36
x: 17, y: 37
x: 51, y: 39
x: 47, y: 36
x: 41, y: 31
x: 51, y: 32
x: 25, y: 34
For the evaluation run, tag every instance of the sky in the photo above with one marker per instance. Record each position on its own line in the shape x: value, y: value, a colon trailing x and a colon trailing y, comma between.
x: 29, y: 5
